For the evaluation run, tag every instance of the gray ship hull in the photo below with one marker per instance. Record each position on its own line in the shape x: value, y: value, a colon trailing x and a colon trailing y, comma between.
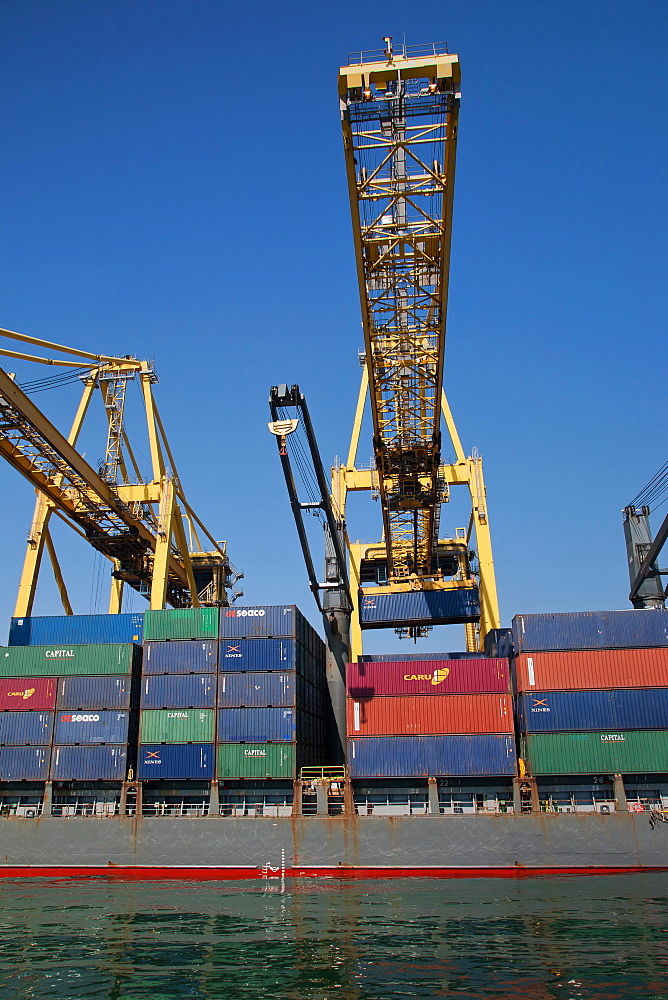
x: 222, y: 848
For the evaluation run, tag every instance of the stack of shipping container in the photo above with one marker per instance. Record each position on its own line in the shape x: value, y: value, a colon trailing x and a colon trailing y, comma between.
x: 68, y: 689
x: 440, y: 716
x: 237, y: 693
x: 592, y: 699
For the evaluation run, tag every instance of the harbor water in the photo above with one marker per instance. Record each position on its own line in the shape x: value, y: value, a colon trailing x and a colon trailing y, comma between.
x: 595, y: 938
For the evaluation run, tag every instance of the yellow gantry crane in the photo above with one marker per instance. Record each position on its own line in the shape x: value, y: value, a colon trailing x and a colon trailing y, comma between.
x: 146, y: 529
x: 399, y: 113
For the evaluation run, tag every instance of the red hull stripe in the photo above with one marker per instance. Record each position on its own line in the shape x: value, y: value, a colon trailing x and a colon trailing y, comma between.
x: 149, y: 873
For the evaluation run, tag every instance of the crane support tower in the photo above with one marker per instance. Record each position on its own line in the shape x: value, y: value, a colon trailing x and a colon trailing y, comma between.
x: 145, y: 527
x: 399, y: 114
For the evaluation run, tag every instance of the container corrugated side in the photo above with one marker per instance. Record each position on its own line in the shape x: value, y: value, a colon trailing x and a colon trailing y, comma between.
x: 420, y: 607
x: 591, y: 630
x: 89, y: 763
x: 68, y: 630
x: 177, y: 725
x: 584, y: 711
x: 30, y: 694
x: 257, y: 689
x: 256, y: 760
x: 406, y: 657
x: 181, y: 623
x: 26, y: 728
x: 366, y: 680
x: 178, y: 691
x: 258, y: 654
x: 267, y: 621
x: 256, y: 725
x: 181, y: 656
x: 613, y: 752
x: 101, y: 726
x: 180, y: 760
x: 59, y: 661
x: 421, y: 715
x: 583, y: 670
x: 431, y: 756
x: 108, y: 691
x: 24, y: 763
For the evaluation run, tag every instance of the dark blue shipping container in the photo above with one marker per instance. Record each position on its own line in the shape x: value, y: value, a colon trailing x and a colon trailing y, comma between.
x: 589, y: 711
x: 419, y: 607
x: 26, y: 728
x: 76, y: 630
x: 499, y: 643
x: 256, y: 725
x: 257, y: 689
x: 431, y: 756
x: 178, y: 691
x: 591, y: 630
x: 278, y: 621
x: 181, y: 656
x: 91, y: 763
x: 24, y: 763
x: 91, y: 727
x: 427, y: 657
x: 82, y: 693
x: 258, y: 654
x: 177, y: 760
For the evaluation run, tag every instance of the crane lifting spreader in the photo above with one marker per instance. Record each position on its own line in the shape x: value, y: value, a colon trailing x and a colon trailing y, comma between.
x: 399, y: 114
x: 139, y: 525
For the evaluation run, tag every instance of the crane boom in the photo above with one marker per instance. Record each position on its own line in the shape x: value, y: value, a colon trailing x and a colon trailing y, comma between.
x: 137, y: 524
x: 399, y: 118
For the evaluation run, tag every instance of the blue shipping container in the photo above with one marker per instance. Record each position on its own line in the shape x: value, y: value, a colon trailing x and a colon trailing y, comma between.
x: 588, y: 711
x: 256, y: 725
x: 178, y: 691
x: 419, y: 607
x: 181, y: 656
x: 91, y: 727
x: 26, y: 728
x: 431, y: 756
x: 499, y: 643
x: 89, y: 763
x: 279, y: 621
x: 406, y: 657
x: 82, y: 693
x: 258, y: 689
x: 176, y: 760
x: 74, y: 630
x: 591, y: 630
x: 24, y: 763
x: 258, y: 654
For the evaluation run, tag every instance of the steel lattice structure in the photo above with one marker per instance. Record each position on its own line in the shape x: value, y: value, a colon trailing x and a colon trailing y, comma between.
x: 400, y: 132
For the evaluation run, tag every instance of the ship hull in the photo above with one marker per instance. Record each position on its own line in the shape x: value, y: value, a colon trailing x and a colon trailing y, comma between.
x: 206, y: 848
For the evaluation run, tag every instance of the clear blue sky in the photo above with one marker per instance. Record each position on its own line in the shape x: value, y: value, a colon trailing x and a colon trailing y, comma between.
x: 173, y: 187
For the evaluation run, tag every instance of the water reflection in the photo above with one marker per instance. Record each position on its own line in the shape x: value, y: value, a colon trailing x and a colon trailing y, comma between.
x: 574, y: 939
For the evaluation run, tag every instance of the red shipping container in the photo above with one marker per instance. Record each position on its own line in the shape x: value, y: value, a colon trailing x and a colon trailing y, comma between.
x: 589, y: 669
x: 366, y: 680
x: 430, y: 715
x: 23, y: 694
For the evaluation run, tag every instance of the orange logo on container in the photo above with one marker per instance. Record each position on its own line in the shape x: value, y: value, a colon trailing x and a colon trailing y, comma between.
x: 28, y: 693
x: 440, y: 674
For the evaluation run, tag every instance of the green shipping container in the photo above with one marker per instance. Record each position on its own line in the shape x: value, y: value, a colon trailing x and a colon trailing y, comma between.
x: 182, y: 623
x: 256, y: 760
x: 64, y: 661
x: 596, y: 753
x: 177, y: 725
